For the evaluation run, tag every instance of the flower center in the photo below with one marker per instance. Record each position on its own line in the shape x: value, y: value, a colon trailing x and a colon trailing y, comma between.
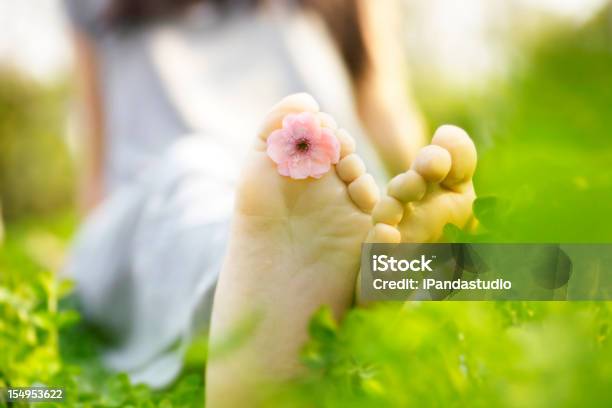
x: 302, y: 145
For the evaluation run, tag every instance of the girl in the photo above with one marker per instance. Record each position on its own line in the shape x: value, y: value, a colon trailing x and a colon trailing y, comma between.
x: 172, y: 92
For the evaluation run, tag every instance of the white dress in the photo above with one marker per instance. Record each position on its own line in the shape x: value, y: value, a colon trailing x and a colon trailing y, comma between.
x: 182, y: 106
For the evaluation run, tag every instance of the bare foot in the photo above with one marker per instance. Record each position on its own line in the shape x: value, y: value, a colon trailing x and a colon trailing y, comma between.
x: 437, y: 190
x: 295, y: 246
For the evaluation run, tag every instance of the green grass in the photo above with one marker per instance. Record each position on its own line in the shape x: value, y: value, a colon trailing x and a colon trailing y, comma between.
x: 544, y: 139
x: 444, y: 354
x: 42, y: 339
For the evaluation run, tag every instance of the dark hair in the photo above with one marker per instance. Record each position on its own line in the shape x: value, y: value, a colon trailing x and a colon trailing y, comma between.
x: 340, y: 16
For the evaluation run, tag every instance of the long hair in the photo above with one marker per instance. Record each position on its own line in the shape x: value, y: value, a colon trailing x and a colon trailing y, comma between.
x: 340, y: 17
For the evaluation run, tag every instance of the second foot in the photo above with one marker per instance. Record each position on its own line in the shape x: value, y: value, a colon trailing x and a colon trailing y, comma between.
x: 437, y: 190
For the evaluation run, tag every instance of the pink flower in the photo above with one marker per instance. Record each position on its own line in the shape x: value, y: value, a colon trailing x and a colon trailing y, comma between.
x: 302, y: 148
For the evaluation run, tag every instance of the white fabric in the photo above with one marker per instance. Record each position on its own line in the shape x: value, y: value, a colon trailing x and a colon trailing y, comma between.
x: 149, y: 257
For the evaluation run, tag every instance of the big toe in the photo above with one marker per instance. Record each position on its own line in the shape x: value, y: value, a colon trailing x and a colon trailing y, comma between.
x: 295, y: 103
x: 462, y: 152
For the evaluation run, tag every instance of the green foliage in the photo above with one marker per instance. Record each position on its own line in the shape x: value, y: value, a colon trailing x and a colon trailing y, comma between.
x: 42, y: 342
x: 36, y: 176
x: 29, y: 318
x: 504, y: 354
x: 544, y: 140
x: 29, y: 337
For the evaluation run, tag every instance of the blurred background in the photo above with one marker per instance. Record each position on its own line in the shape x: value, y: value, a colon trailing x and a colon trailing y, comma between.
x: 531, y: 81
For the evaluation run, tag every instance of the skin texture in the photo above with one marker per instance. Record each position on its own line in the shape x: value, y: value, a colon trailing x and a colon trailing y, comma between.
x: 445, y: 168
x: 295, y: 246
x: 432, y: 193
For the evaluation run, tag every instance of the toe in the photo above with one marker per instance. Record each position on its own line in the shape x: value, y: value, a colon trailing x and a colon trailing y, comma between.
x: 462, y: 151
x: 327, y: 120
x: 297, y: 102
x: 384, y: 234
x: 388, y: 211
x: 300, y: 102
x: 433, y: 163
x: 350, y: 168
x: 347, y: 143
x: 364, y: 192
x: 407, y: 187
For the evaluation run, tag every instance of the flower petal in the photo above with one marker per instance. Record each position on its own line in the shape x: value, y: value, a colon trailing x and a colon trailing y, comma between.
x: 327, y: 147
x: 299, y: 167
x: 283, y: 169
x: 279, y: 146
x: 323, y: 147
x: 289, y: 119
x: 304, y: 125
x: 318, y: 169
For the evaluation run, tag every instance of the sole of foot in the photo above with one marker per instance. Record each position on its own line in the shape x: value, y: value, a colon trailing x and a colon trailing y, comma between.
x: 437, y: 190
x: 295, y: 246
